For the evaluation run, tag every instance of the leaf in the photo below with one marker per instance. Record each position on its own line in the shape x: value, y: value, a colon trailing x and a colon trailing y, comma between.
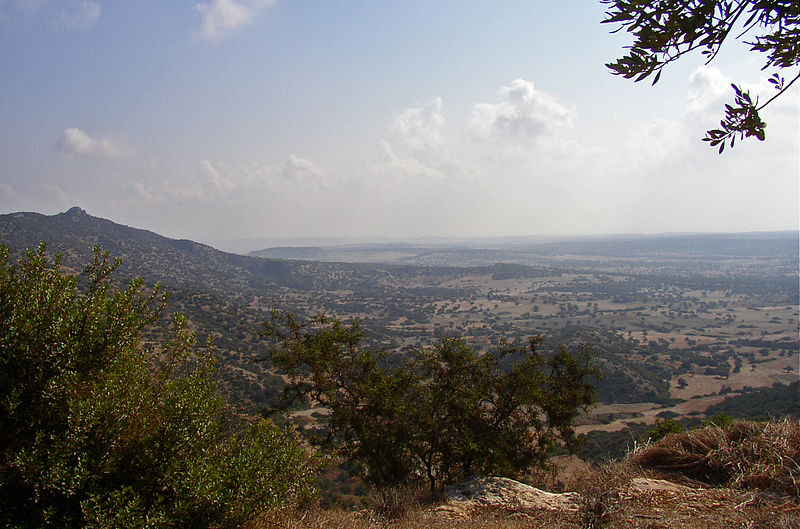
x: 658, y: 76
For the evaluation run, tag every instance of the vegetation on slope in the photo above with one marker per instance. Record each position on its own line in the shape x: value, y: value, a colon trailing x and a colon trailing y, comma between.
x: 762, y: 404
x: 444, y: 414
x: 97, y: 430
x: 663, y: 314
x: 743, y: 475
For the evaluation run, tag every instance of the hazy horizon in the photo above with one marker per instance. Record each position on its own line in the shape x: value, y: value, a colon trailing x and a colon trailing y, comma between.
x: 253, y: 244
x: 271, y: 120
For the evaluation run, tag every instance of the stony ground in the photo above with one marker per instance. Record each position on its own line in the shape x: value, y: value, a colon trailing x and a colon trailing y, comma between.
x: 642, y: 503
x: 668, y: 484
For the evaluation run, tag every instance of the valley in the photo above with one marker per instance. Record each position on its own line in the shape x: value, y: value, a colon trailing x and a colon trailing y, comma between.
x: 678, y: 323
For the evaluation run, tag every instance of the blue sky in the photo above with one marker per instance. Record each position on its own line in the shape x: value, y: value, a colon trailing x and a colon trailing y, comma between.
x: 222, y: 119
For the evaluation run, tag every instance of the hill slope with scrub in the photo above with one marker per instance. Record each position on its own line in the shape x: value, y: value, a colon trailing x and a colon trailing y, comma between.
x: 668, y: 321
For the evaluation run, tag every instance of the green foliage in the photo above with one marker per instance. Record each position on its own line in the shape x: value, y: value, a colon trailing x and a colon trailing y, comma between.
x: 720, y: 420
x: 663, y: 428
x: 95, y: 431
x: 665, y: 31
x: 668, y: 426
x: 762, y: 404
x: 442, y: 415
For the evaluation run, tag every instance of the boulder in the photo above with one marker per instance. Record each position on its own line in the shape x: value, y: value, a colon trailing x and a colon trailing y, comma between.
x: 504, y: 495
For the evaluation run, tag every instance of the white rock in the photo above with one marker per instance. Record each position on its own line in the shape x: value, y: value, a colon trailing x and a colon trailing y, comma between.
x: 490, y: 493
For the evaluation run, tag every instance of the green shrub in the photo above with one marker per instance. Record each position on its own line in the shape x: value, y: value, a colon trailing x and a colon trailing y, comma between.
x: 444, y: 414
x: 96, y: 431
x: 661, y: 429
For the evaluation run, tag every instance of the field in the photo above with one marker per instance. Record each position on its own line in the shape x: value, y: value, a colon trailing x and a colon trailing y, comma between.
x: 678, y: 326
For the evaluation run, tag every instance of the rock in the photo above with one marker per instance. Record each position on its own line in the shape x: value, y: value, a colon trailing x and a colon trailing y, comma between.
x: 503, y: 494
x: 640, y: 485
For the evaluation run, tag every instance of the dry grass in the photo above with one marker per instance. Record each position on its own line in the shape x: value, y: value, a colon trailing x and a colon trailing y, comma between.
x: 418, y: 519
x: 745, y: 476
x: 746, y: 455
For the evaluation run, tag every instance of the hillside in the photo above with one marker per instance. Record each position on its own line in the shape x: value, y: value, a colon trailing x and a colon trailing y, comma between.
x: 214, y: 289
x: 679, y: 323
x: 744, y: 475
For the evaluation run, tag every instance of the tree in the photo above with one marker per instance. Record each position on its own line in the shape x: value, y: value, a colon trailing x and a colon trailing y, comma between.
x: 441, y: 415
x: 96, y: 431
x: 661, y: 429
x: 667, y: 30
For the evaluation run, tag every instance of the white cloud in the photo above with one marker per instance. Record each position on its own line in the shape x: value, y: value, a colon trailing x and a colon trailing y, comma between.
x: 215, y: 176
x: 213, y: 179
x: 222, y: 17
x: 707, y: 88
x: 148, y: 193
x: 420, y: 126
x: 670, y: 139
x: 296, y: 169
x: 74, y: 142
x: 524, y: 112
x: 406, y: 167
x: 70, y: 14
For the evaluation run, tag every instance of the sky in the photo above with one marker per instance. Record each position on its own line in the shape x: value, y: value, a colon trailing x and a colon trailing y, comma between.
x: 235, y: 119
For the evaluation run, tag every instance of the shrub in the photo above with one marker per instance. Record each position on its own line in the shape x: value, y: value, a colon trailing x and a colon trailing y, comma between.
x: 442, y: 415
x: 661, y: 429
x: 97, y: 432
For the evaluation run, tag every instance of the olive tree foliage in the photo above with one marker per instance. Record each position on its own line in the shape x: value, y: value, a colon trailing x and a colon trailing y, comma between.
x: 441, y: 415
x: 666, y: 30
x: 96, y: 431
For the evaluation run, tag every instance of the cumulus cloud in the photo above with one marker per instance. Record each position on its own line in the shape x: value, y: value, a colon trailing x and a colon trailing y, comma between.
x: 524, y: 112
x: 407, y: 167
x: 710, y: 89
x: 70, y: 14
x: 420, y: 126
x: 496, y: 142
x: 707, y: 88
x: 74, y: 142
x: 222, y: 17
x: 295, y: 168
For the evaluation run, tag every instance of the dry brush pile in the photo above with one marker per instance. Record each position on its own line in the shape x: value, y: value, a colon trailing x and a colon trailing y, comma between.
x: 746, y: 455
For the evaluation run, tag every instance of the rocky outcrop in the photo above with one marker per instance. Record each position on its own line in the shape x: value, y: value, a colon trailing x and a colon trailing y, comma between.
x: 494, y: 494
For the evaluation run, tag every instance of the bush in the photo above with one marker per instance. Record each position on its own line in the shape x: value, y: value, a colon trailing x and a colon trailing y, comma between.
x: 661, y: 429
x: 444, y: 414
x: 97, y: 432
